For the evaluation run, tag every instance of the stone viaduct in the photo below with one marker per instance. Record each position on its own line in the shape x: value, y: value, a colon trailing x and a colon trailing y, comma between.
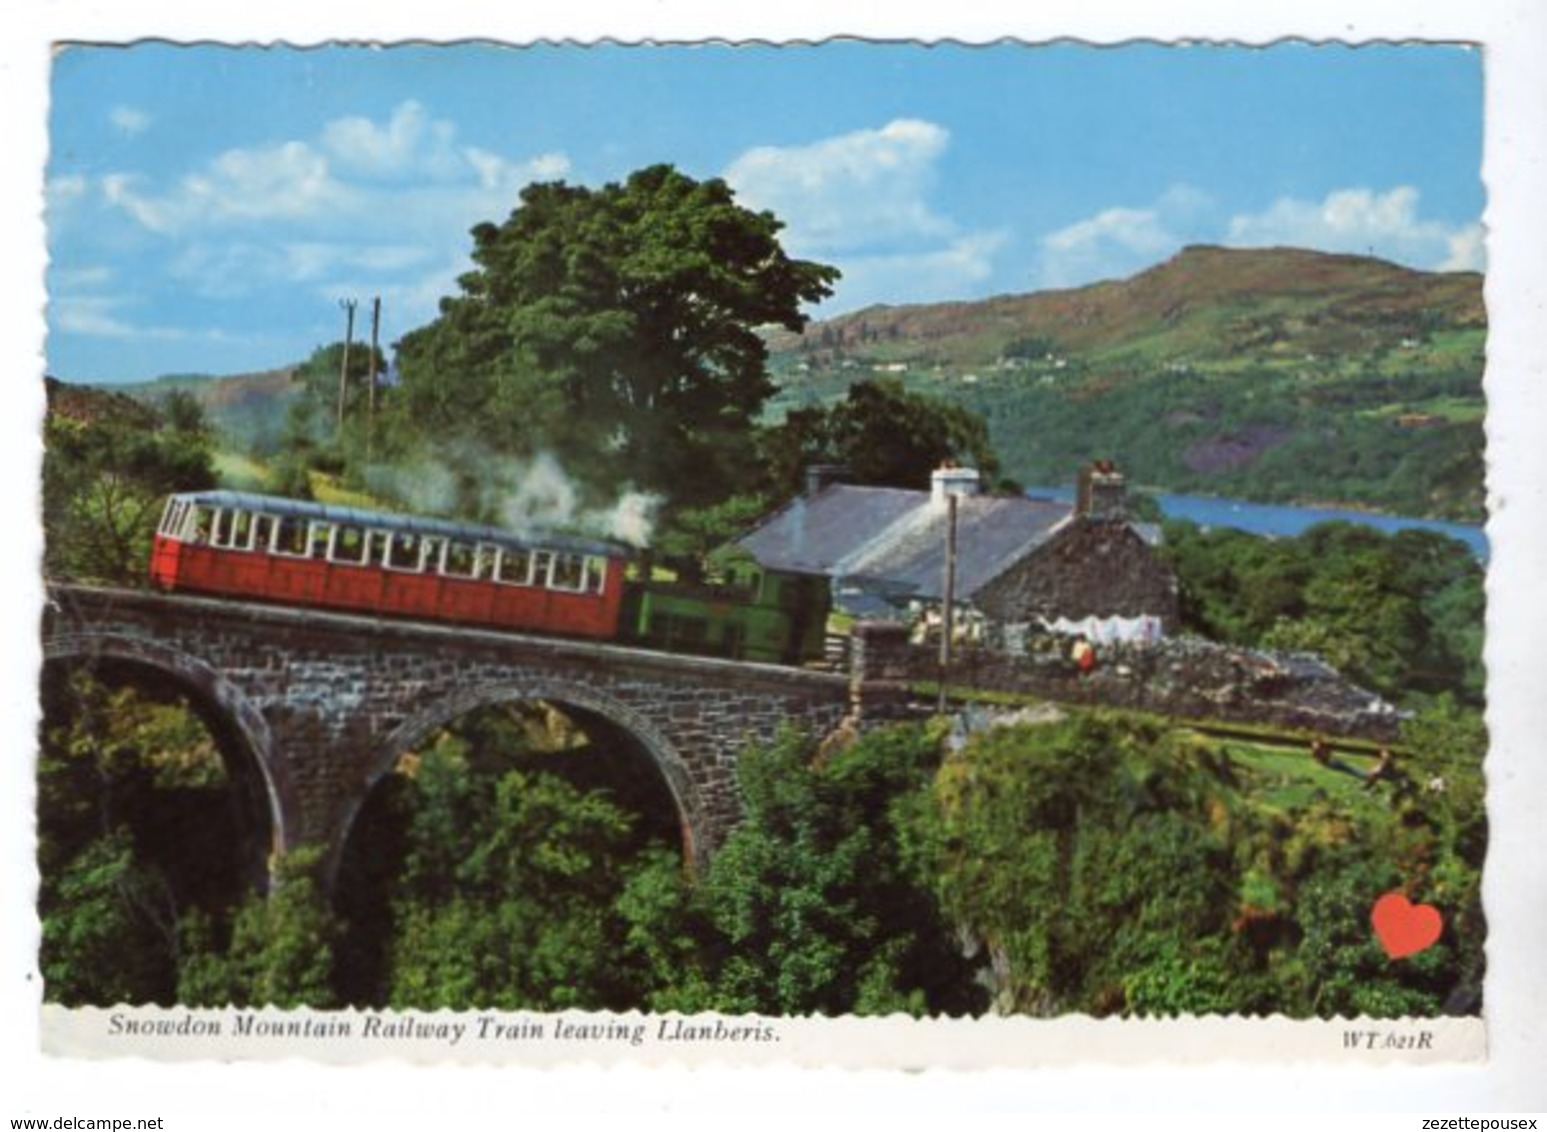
x: 320, y: 705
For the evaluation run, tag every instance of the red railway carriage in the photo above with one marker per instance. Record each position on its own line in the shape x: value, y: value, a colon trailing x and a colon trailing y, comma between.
x: 347, y: 558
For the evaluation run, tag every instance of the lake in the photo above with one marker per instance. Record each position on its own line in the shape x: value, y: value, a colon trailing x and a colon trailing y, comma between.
x: 1282, y: 519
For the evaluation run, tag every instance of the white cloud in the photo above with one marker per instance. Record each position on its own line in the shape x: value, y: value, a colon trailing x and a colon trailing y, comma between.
x: 130, y: 120
x: 1119, y: 241
x: 1468, y: 250
x: 409, y: 143
x: 850, y: 191
x: 291, y: 181
x: 402, y: 176
x: 861, y: 201
x: 958, y: 268
x: 499, y: 174
x: 365, y: 208
x: 1359, y: 220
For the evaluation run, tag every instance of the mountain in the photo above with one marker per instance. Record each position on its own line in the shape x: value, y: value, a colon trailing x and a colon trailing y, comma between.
x: 1204, y: 303
x: 248, y: 409
x: 1273, y: 374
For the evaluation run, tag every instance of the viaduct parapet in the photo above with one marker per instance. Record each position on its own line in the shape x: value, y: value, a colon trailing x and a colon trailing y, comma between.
x: 322, y: 705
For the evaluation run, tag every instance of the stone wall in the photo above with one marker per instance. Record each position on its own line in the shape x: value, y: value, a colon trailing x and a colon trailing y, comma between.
x: 1092, y: 568
x: 1185, y: 677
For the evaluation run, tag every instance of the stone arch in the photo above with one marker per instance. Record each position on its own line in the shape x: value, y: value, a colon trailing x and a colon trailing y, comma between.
x: 243, y: 721
x: 424, y: 724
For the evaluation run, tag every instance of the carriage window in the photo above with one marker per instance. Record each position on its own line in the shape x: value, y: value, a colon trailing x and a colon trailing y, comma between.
x: 317, y: 542
x: 203, y: 521
x: 263, y: 527
x: 349, y: 545
x: 234, y: 529
x: 403, y: 553
x: 431, y: 551
x: 542, y: 567
x: 172, y: 517
x: 595, y: 574
x: 376, y: 547
x: 515, y: 567
x: 290, y: 539
x: 487, y: 556
x: 568, y: 573
x: 461, y: 560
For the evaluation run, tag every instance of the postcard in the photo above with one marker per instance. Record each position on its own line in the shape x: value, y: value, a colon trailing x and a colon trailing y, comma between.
x: 841, y: 553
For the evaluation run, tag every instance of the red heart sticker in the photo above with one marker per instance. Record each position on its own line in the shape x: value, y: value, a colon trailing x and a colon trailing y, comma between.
x: 1405, y: 928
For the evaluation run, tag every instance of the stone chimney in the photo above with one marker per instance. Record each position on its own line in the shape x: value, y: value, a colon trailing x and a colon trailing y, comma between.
x: 1101, y: 492
x: 951, y: 480
x: 822, y: 476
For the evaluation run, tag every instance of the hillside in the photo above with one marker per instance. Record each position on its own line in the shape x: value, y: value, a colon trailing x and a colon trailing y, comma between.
x: 88, y: 405
x: 249, y: 409
x: 1206, y: 303
x: 1273, y: 374
x: 1276, y: 375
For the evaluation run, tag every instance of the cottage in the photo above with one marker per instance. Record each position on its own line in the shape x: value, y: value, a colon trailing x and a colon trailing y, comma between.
x: 1019, y: 565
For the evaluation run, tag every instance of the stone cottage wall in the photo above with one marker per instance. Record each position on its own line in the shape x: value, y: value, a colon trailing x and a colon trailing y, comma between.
x: 1092, y: 568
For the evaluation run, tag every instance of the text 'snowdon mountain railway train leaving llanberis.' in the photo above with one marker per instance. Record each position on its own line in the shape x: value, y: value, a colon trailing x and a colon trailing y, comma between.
x: 264, y: 548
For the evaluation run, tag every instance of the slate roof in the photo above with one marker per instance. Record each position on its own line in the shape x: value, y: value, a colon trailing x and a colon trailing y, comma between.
x: 892, y: 541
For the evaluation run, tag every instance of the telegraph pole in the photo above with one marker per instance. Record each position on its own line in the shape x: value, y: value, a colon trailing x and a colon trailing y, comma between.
x: 370, y: 417
x: 343, y: 370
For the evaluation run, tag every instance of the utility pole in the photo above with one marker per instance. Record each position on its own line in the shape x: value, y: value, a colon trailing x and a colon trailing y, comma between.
x: 343, y: 370
x: 948, y: 606
x: 370, y: 417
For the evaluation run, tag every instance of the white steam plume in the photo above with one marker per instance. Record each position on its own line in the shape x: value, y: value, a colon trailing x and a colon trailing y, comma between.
x: 528, y: 496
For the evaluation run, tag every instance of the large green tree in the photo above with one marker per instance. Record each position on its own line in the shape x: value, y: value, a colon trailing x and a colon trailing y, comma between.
x: 618, y: 328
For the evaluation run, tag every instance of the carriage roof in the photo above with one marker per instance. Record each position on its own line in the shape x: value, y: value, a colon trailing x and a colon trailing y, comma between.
x: 406, y: 524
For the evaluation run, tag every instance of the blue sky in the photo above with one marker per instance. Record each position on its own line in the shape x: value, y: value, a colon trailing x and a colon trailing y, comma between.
x: 209, y: 207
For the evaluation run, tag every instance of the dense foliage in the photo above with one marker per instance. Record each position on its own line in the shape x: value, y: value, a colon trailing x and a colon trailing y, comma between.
x: 493, y: 879
x: 813, y: 904
x: 107, y: 469
x: 1399, y: 613
x: 146, y: 848
x: 1099, y: 864
x: 485, y: 872
x: 1111, y: 866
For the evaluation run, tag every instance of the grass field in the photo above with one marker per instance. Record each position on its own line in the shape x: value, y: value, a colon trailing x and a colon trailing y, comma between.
x: 1287, y: 779
x: 239, y: 472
